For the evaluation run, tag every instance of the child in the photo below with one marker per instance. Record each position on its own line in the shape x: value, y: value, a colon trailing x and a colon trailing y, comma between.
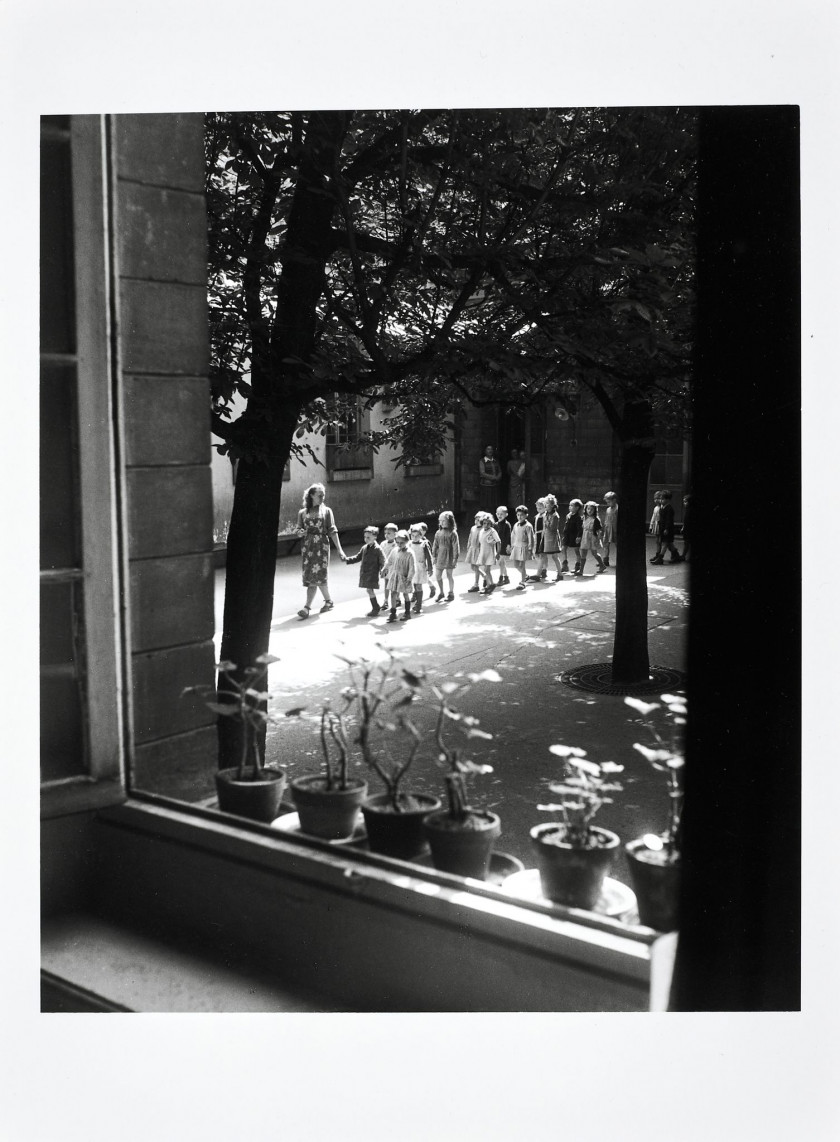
x: 542, y: 562
x: 522, y: 543
x: 489, y: 545
x: 424, y: 527
x: 590, y: 537
x: 551, y: 535
x: 445, y: 551
x: 388, y: 545
x: 471, y: 555
x: 654, y: 527
x: 666, y: 530
x: 686, y: 532
x: 422, y: 565
x: 572, y: 531
x: 610, y: 532
x: 503, y: 531
x: 399, y: 571
x: 372, y: 560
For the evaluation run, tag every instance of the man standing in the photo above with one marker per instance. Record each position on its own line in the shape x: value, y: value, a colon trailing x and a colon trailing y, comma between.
x: 489, y: 478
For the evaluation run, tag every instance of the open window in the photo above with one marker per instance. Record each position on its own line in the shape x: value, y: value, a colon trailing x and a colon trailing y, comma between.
x: 349, y: 457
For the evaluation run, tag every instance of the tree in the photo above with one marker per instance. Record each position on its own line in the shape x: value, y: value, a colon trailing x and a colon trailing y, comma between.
x: 500, y: 257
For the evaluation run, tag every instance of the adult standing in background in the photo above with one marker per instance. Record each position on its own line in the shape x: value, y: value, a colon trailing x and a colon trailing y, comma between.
x: 489, y: 479
x: 316, y: 525
x: 516, y: 477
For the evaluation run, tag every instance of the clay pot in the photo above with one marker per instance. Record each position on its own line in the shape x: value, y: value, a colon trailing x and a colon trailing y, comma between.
x: 656, y: 882
x: 398, y: 834
x: 569, y: 875
x: 462, y: 847
x: 329, y: 813
x: 257, y: 800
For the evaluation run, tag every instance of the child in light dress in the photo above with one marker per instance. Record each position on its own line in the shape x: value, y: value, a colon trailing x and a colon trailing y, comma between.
x: 552, y: 530
x: 522, y: 543
x: 372, y: 560
x: 590, y: 539
x: 445, y: 551
x: 489, y: 546
x: 542, y: 562
x: 422, y: 565
x: 472, y: 553
x: 399, y: 574
x: 610, y: 533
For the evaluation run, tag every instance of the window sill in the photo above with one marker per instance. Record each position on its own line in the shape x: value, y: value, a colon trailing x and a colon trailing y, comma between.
x: 340, y: 475
x: 396, y: 937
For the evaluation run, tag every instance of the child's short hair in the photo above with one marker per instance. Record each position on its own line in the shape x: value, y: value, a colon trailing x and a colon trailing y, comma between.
x: 575, y: 503
x: 550, y: 500
x: 666, y: 495
x: 450, y: 519
x: 502, y: 508
x: 371, y: 529
x: 415, y: 528
x: 401, y: 534
x: 521, y: 508
x: 590, y: 504
x: 541, y: 503
x: 609, y: 495
x: 390, y: 527
x: 424, y: 527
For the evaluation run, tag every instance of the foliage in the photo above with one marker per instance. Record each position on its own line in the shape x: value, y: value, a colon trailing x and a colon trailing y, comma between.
x: 245, y: 702
x: 666, y: 757
x: 583, y: 791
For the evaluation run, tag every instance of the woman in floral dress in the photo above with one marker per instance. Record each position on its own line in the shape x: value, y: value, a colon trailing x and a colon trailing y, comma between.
x: 316, y: 525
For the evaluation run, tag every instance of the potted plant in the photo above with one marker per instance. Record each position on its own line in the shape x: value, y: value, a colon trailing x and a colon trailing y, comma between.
x: 380, y: 694
x: 461, y: 837
x: 328, y: 803
x: 573, y: 855
x: 251, y: 789
x: 654, y: 859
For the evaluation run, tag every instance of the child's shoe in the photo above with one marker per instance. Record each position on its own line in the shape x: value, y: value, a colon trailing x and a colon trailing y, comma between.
x: 606, y: 560
x: 577, y: 567
x: 374, y: 609
x: 450, y: 598
x: 542, y: 575
x: 601, y: 564
x: 657, y: 559
x: 392, y: 617
x: 520, y: 586
x: 407, y: 614
x: 472, y: 590
x: 564, y: 566
x: 489, y: 589
x: 676, y: 558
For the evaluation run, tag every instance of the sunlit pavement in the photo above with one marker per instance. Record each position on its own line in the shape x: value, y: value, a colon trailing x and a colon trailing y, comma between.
x: 530, y: 637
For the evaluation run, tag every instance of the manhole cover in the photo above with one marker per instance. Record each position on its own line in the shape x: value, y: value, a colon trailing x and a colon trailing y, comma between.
x: 597, y: 679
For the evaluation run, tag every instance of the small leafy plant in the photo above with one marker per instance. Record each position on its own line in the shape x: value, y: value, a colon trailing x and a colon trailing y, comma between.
x: 458, y: 767
x: 666, y: 757
x: 583, y: 790
x: 246, y: 701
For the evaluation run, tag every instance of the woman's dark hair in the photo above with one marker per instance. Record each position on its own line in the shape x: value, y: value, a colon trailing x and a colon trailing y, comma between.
x: 308, y: 501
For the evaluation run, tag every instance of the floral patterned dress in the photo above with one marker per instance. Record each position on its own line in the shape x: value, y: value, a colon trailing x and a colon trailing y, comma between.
x: 315, y: 552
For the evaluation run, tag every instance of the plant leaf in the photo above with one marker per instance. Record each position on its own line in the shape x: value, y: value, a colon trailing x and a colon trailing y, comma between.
x: 566, y: 751
x: 644, y: 708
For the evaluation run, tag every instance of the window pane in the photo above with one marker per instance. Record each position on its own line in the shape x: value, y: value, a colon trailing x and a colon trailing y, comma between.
x: 57, y: 292
x: 62, y: 753
x: 60, y: 607
x: 59, y: 529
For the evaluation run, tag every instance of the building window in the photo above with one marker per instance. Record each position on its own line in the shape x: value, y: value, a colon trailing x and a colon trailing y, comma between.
x: 348, y: 457
x: 80, y: 714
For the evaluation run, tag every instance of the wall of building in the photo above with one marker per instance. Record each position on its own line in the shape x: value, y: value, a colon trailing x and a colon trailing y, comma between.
x: 161, y: 260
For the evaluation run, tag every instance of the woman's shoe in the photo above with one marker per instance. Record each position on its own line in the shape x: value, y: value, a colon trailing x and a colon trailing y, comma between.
x: 328, y: 606
x: 303, y: 613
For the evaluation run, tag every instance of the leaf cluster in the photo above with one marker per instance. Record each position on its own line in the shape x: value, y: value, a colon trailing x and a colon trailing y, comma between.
x: 583, y: 791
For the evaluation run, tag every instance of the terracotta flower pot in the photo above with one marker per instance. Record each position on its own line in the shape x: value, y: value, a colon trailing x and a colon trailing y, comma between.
x: 257, y: 800
x: 329, y: 813
x: 398, y: 834
x: 656, y: 882
x: 462, y: 847
x: 573, y: 876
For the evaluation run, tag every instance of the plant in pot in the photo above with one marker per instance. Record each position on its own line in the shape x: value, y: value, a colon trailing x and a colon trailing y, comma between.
x: 461, y: 836
x: 380, y: 693
x: 328, y: 803
x: 654, y: 859
x: 252, y: 789
x: 573, y: 855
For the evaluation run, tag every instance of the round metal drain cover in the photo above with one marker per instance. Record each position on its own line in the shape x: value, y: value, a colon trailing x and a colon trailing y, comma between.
x: 597, y: 679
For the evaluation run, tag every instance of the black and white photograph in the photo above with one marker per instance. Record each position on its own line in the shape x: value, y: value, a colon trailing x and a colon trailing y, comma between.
x: 420, y: 668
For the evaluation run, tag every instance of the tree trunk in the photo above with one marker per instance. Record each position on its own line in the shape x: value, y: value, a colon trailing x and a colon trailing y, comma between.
x: 631, y: 663
x: 251, y: 562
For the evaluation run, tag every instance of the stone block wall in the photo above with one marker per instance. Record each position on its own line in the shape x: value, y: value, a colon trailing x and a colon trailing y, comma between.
x: 160, y: 225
